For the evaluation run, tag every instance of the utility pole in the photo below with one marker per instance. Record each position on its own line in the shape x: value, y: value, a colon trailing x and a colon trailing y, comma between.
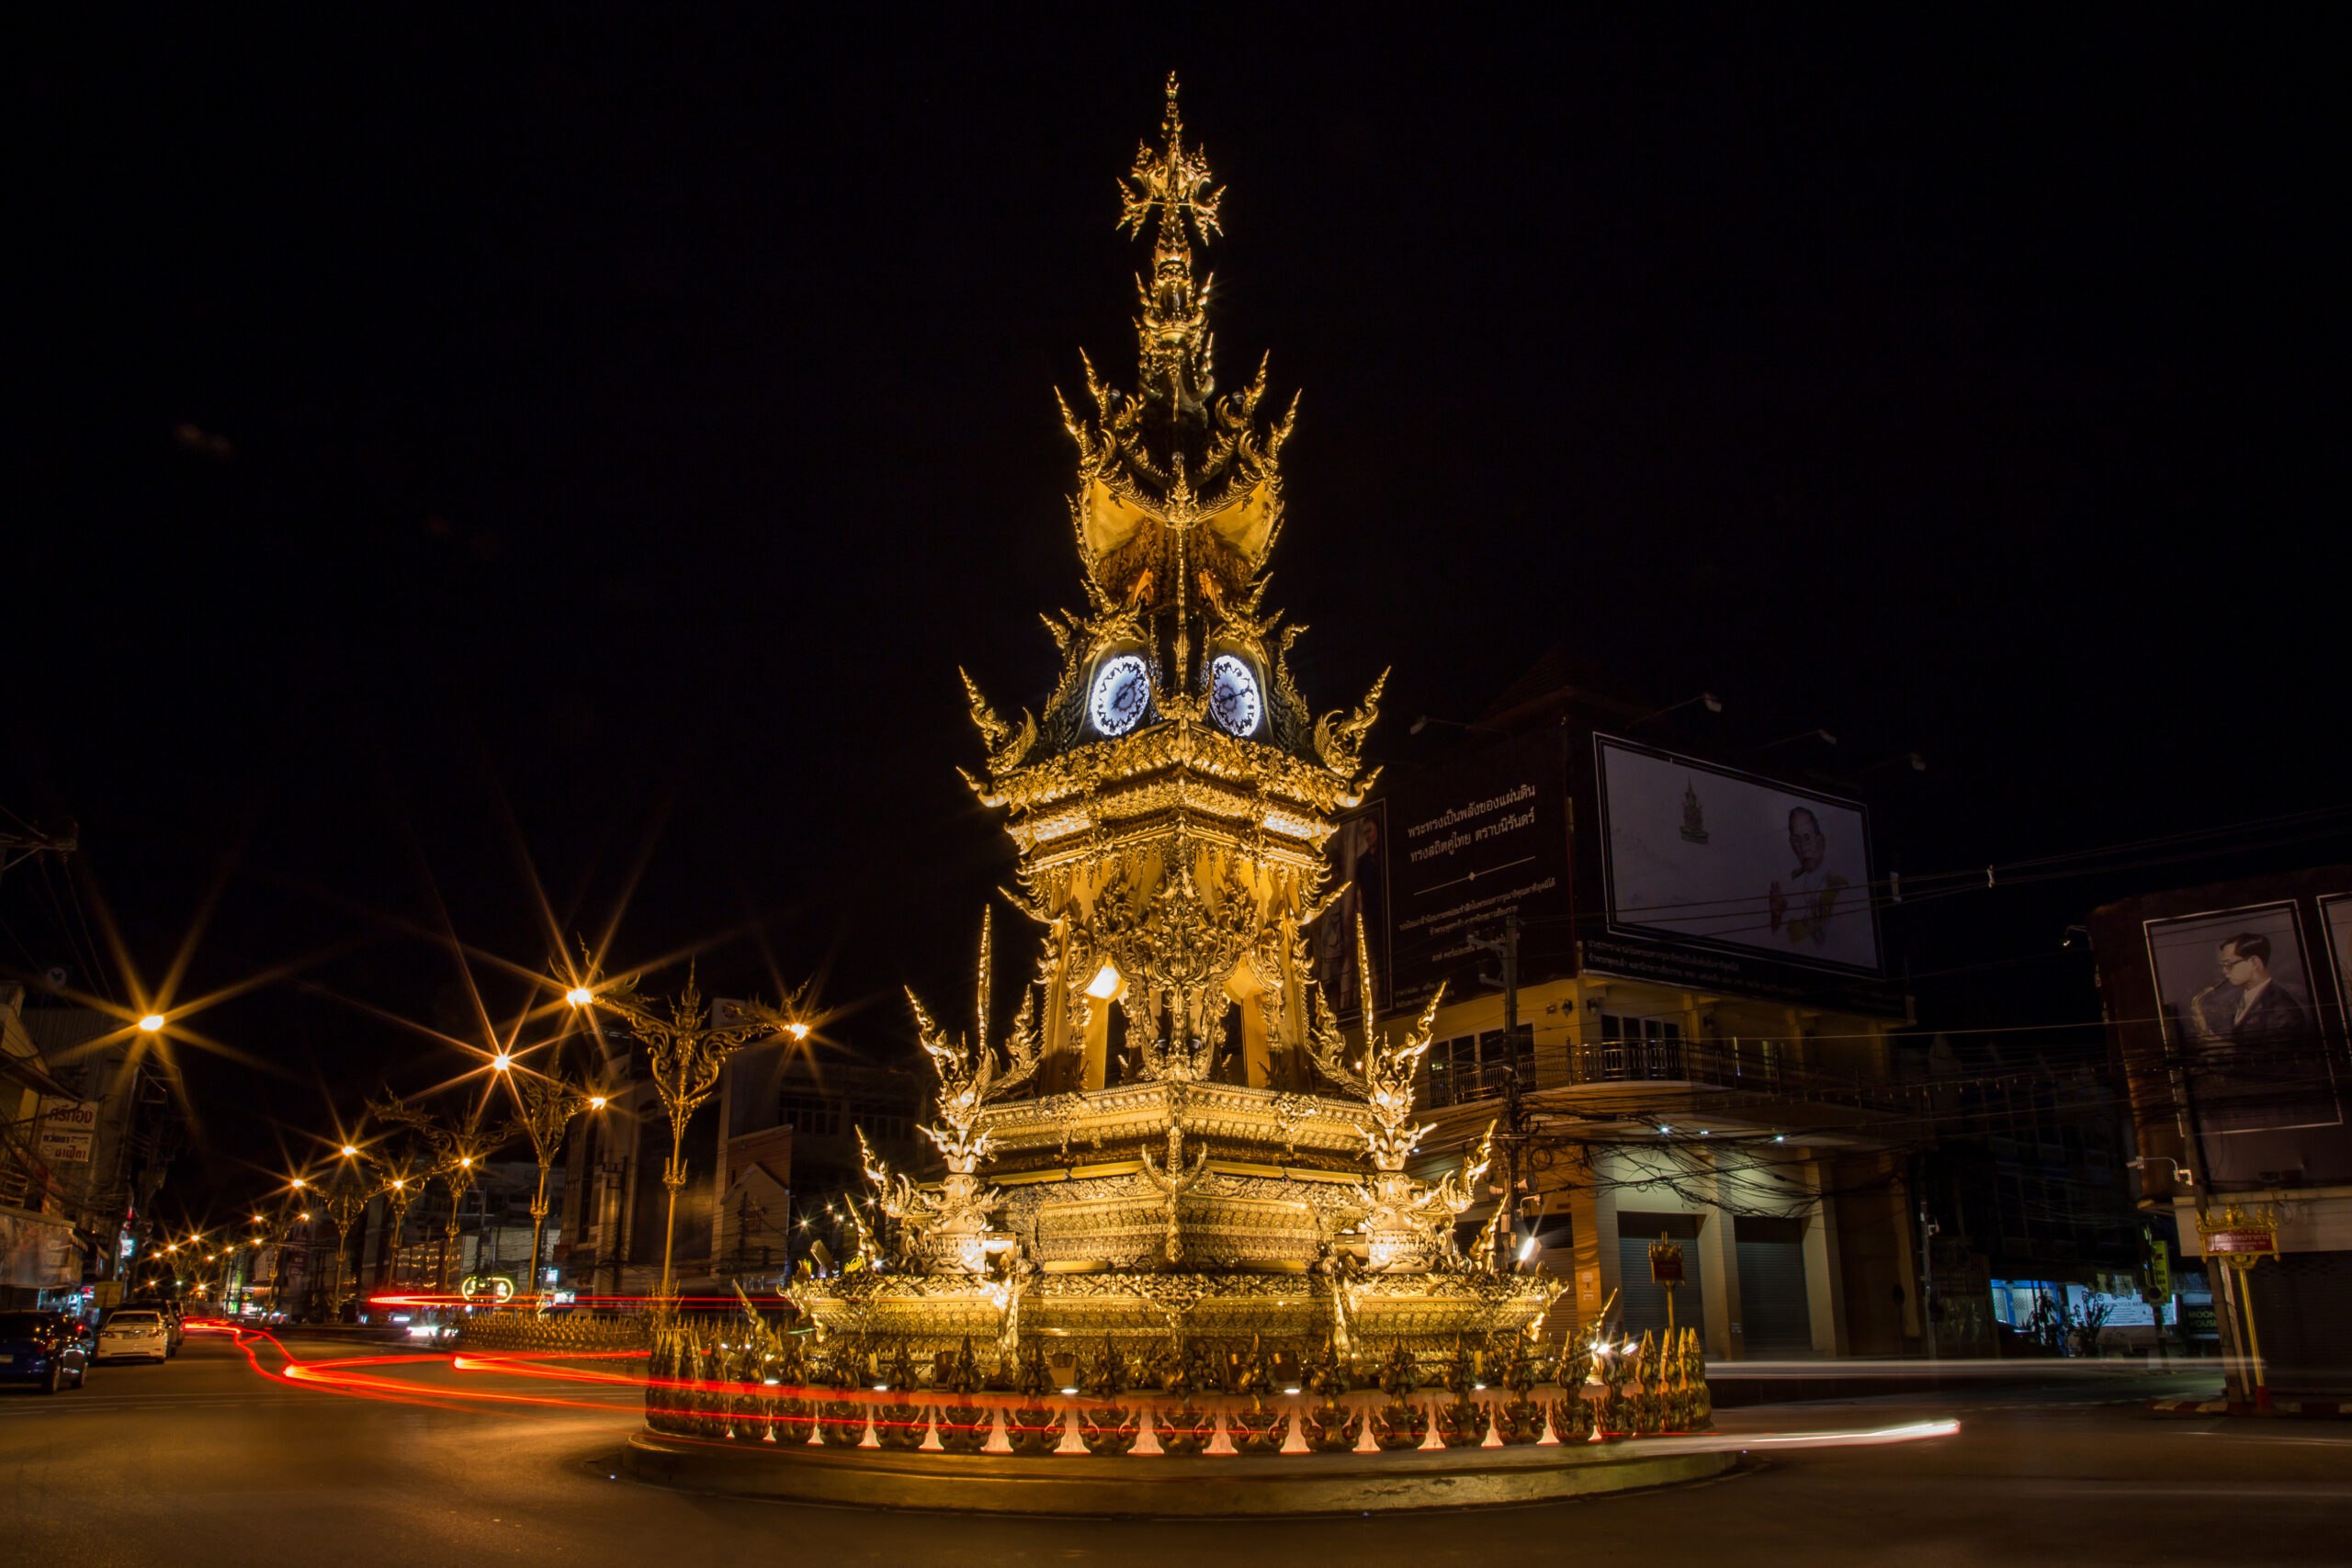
x: 1926, y: 1263
x: 1514, y: 1116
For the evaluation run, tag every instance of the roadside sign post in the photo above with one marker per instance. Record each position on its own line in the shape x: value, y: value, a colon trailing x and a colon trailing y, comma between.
x: 2241, y: 1239
x: 1666, y: 1272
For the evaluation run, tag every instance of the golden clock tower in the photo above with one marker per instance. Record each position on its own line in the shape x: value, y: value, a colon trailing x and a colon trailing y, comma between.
x: 1173, y: 1138
x: 1172, y: 801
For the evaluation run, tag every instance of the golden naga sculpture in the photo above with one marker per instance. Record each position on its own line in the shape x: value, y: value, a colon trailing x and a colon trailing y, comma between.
x: 1175, y: 1142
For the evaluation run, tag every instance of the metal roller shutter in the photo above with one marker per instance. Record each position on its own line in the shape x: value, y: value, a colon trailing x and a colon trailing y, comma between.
x: 1640, y: 1304
x: 1778, y: 1318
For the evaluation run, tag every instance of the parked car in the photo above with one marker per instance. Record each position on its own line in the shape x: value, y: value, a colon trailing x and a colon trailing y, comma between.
x: 172, y: 1314
x: 43, y: 1348
x: 140, y: 1333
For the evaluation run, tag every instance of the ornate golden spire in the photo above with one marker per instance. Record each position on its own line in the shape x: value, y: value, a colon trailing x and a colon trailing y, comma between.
x: 1171, y: 186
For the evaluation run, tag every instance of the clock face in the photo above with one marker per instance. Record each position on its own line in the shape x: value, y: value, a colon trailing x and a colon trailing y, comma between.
x: 1121, y: 688
x: 1233, y: 696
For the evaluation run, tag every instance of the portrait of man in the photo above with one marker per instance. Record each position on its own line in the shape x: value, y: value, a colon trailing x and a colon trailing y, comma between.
x: 2248, y: 1006
x: 1801, y: 904
x: 2235, y: 988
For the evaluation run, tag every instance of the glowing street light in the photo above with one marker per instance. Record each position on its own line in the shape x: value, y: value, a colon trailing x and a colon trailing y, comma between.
x: 152, y: 1023
x: 349, y: 1152
x: 501, y: 1062
x: 686, y: 1052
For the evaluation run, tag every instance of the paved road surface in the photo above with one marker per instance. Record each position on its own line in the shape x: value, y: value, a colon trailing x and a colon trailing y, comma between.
x: 204, y: 1461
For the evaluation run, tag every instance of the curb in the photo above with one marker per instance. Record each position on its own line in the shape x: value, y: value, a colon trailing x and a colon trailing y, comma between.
x: 2293, y: 1409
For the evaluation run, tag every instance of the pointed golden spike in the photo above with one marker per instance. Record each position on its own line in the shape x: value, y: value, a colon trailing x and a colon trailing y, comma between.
x: 1363, y: 977
x: 981, y: 1032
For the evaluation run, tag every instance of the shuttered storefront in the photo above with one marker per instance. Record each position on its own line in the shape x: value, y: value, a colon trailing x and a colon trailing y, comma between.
x: 1642, y: 1306
x: 1777, y: 1315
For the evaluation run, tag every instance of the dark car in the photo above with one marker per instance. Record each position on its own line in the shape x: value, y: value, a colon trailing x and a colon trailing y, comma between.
x: 43, y: 1348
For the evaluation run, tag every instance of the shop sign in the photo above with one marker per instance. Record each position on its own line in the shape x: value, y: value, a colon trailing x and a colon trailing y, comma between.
x: 2241, y: 1241
x: 67, y: 1128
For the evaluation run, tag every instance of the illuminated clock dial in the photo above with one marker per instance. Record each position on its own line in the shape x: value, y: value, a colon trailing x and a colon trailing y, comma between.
x: 1121, y: 688
x: 1233, y: 696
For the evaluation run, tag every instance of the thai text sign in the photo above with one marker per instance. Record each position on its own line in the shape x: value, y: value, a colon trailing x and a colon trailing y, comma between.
x: 67, y: 1129
x: 2241, y: 1241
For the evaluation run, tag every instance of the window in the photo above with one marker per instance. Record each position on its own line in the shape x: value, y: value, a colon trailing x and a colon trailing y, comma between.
x: 1473, y: 1067
x: 812, y: 1114
x: 882, y: 1122
x: 1636, y: 1048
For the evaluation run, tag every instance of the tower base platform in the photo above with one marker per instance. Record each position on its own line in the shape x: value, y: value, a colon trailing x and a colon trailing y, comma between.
x: 1079, y: 1486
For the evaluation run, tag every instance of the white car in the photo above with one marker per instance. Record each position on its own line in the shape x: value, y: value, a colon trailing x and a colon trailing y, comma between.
x: 133, y: 1334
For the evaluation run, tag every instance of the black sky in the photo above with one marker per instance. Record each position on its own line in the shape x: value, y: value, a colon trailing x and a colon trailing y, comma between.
x: 617, y: 432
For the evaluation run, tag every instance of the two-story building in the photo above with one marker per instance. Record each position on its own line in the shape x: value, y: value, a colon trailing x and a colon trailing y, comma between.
x: 1704, y: 1012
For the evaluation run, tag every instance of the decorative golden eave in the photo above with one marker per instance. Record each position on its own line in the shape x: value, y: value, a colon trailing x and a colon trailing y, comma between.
x: 1208, y: 753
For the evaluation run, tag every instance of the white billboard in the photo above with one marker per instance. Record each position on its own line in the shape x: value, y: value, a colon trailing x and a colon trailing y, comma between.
x: 1697, y: 854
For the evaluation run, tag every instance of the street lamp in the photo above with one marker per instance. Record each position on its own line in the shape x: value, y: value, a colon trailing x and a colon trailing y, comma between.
x: 153, y: 1022
x: 686, y: 1051
x: 459, y: 1148
x: 1712, y: 703
x: 548, y: 1105
x: 401, y: 1179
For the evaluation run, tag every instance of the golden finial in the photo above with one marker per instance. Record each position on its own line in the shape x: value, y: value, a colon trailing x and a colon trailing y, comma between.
x: 1169, y: 182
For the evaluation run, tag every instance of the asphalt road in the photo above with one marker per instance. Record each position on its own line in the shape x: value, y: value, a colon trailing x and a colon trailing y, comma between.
x: 206, y: 1460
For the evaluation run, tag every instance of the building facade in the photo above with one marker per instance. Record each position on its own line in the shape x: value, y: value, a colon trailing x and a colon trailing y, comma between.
x: 1703, y: 1019
x: 2225, y: 1012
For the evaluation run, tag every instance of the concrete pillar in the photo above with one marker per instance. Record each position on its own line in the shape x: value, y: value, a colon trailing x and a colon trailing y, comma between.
x: 1718, y: 1263
x: 1595, y: 1214
x: 1824, y: 1280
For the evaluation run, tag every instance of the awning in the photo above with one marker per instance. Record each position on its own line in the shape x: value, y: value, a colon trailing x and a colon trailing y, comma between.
x: 37, y: 1252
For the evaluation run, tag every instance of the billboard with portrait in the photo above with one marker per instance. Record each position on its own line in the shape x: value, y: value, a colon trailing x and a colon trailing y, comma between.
x: 1697, y: 855
x: 2235, y: 991
x: 2336, y: 928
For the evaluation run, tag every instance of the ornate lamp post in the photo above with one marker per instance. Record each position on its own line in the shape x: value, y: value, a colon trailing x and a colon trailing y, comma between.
x: 548, y: 1105
x: 686, y: 1052
x: 459, y: 1152
x: 347, y: 1197
x: 404, y: 1179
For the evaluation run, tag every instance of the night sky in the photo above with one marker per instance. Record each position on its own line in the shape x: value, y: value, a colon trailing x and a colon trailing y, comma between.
x: 453, y: 454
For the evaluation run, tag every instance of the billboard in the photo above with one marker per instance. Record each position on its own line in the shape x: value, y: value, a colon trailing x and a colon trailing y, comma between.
x: 1700, y: 857
x: 1358, y: 851
x: 2225, y: 1005
x: 2335, y: 930
x: 1477, y: 837
x: 2235, y: 991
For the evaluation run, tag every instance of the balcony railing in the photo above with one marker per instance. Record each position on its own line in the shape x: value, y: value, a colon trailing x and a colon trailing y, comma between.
x: 1724, y: 1064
